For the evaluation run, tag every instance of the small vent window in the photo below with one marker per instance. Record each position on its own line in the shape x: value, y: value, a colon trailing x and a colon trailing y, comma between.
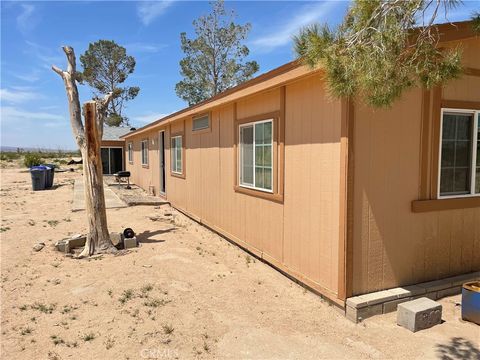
x: 201, y: 122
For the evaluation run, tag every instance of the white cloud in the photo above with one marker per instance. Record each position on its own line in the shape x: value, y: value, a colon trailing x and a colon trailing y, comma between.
x: 26, y: 21
x: 148, y: 11
x: 282, y: 34
x: 13, y: 114
x: 144, y: 47
x: 46, y: 55
x: 148, y: 118
x: 32, y: 76
x: 18, y: 95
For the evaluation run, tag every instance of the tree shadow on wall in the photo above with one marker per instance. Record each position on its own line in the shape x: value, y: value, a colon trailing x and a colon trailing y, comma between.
x: 458, y: 348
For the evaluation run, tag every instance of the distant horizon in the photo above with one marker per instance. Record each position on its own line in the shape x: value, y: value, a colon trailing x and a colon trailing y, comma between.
x: 8, y: 148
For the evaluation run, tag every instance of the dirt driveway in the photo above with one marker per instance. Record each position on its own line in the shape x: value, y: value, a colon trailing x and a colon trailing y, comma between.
x: 184, y: 293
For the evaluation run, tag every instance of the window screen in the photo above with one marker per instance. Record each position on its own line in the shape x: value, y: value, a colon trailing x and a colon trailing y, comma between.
x: 457, y: 149
x: 477, y: 172
x: 256, y: 155
x: 200, y: 123
x: 130, y: 152
x: 145, y: 152
x: 176, y: 154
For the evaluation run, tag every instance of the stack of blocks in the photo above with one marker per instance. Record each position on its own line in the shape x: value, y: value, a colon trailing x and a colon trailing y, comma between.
x: 364, y: 306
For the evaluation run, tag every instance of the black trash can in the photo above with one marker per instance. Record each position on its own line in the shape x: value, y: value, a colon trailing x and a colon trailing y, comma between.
x: 49, y: 175
x: 38, y: 174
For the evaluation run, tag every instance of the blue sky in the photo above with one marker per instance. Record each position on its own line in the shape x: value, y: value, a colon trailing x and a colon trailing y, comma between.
x: 33, y: 103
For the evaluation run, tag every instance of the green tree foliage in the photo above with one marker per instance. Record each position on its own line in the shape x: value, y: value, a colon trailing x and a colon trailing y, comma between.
x: 379, y: 51
x: 106, y: 65
x: 476, y: 22
x: 214, y: 60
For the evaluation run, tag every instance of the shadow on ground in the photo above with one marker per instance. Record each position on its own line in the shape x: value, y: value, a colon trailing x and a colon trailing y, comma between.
x: 458, y: 348
x: 146, y: 236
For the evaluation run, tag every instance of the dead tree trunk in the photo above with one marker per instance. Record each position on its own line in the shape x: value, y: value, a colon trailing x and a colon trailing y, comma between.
x: 89, y: 139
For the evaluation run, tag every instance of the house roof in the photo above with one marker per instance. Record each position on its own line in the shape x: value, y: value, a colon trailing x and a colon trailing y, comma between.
x: 114, y: 133
x: 273, y: 78
x: 453, y: 31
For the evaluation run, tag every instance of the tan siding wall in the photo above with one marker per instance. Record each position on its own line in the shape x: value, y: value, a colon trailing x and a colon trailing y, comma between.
x: 302, y: 234
x: 392, y: 245
x: 312, y: 183
x: 144, y: 176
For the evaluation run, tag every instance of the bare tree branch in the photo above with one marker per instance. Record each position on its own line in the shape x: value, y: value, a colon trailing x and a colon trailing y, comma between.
x: 69, y: 78
x: 57, y: 70
x: 102, y: 106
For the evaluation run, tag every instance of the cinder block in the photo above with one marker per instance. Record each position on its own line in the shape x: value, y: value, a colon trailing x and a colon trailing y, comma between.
x: 400, y: 292
x: 379, y: 297
x: 415, y: 290
x: 61, y: 246
x: 391, y: 306
x: 436, y: 285
x: 449, y: 292
x: 130, y: 243
x: 76, y: 242
x: 357, y: 315
x: 419, y: 314
x: 461, y: 279
x: 356, y: 302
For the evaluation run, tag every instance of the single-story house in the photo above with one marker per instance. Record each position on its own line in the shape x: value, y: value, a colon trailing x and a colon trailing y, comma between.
x: 346, y: 199
x: 113, y: 149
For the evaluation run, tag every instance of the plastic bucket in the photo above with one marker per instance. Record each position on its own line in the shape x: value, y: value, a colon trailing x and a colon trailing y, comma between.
x: 50, y: 175
x: 471, y: 302
x: 38, y: 179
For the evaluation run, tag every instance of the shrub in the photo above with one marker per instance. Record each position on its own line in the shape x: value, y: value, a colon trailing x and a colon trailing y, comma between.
x: 32, y: 160
x: 9, y: 156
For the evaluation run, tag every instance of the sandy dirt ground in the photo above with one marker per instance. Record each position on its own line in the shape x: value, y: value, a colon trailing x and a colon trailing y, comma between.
x: 184, y: 293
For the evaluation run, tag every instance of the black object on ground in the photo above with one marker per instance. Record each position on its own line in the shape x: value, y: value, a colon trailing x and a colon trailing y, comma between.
x: 50, y: 174
x: 73, y: 162
x: 123, y: 174
x: 128, y: 233
x: 38, y: 174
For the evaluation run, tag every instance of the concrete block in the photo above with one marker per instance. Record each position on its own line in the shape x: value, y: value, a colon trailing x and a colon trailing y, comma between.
x: 357, y: 315
x: 436, y: 285
x: 379, y: 297
x: 400, y: 292
x: 130, y: 243
x: 449, y: 292
x: 356, y: 302
x: 414, y: 290
x: 431, y: 295
x: 61, y: 246
x: 419, y: 314
x: 461, y: 279
x: 77, y: 242
x: 391, y: 306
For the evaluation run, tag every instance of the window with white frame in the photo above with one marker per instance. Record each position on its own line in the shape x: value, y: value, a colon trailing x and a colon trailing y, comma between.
x: 201, y: 122
x: 176, y: 154
x: 130, y: 152
x: 256, y: 155
x: 145, y: 152
x: 459, y: 174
